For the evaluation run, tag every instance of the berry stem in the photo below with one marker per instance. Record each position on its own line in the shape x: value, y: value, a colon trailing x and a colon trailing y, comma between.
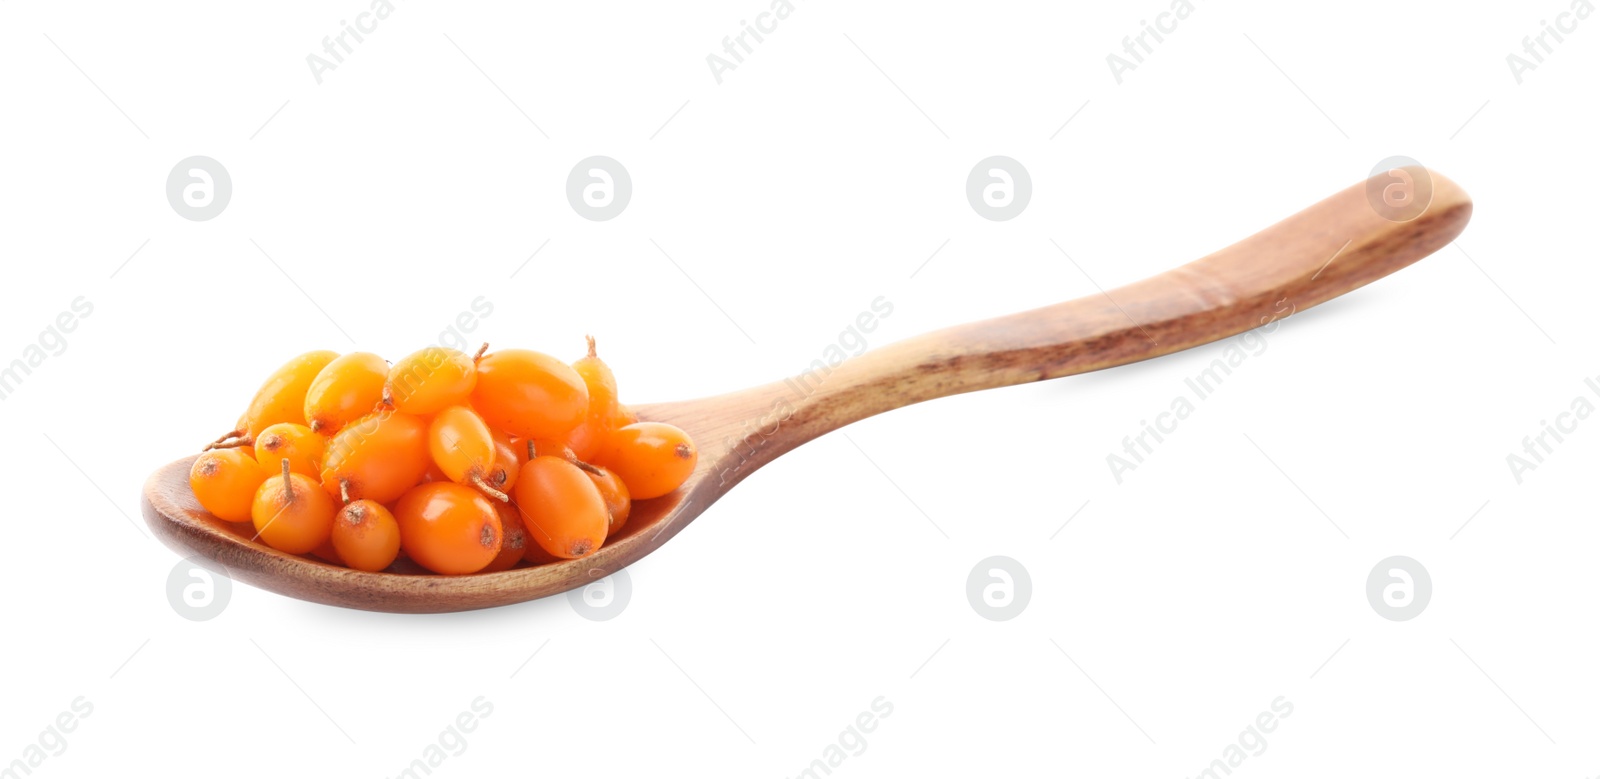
x: 477, y: 481
x: 233, y: 443
x: 288, y: 485
x: 481, y: 351
x: 590, y: 339
x: 226, y: 436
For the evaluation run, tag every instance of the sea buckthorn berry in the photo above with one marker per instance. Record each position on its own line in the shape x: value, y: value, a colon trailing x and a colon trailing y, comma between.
x: 598, y: 380
x: 561, y: 507
x: 586, y: 439
x: 225, y: 481
x: 377, y: 457
x: 589, y: 438
x: 529, y: 394
x: 384, y: 462
x: 533, y: 554
x: 303, y: 448
x: 514, y: 543
x: 463, y: 448
x: 282, y: 397
x: 366, y: 536
x: 344, y: 390
x: 292, y: 514
x: 430, y: 379
x: 653, y: 458
x: 508, y: 460
x: 615, y: 493
x: 448, y: 528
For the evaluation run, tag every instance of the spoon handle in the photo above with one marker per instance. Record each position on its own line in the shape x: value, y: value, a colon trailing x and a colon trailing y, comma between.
x: 1331, y: 248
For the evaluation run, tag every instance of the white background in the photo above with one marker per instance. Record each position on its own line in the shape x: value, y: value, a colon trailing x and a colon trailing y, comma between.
x: 1171, y: 609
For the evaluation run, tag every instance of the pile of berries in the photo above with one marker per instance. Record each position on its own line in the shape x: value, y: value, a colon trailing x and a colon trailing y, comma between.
x: 464, y: 464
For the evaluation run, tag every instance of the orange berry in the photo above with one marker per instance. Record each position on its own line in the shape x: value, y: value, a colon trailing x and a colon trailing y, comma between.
x: 448, y: 528
x: 589, y: 439
x: 282, y: 397
x: 515, y: 542
x: 344, y: 390
x: 533, y: 553
x: 286, y: 440
x: 366, y: 536
x: 586, y: 439
x: 430, y: 379
x: 528, y: 394
x: 377, y: 457
x: 508, y: 460
x: 292, y: 514
x: 461, y: 445
x: 561, y: 507
x: 225, y: 481
x: 615, y: 493
x: 589, y: 436
x: 653, y: 458
x: 598, y: 380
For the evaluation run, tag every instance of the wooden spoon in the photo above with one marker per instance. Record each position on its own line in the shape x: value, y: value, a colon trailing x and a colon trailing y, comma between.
x: 1335, y: 246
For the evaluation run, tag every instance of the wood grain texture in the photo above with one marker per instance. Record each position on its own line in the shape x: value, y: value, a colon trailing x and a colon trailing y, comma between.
x: 1331, y: 248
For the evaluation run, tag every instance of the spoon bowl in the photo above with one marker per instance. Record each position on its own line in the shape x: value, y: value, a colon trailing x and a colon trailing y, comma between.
x: 1337, y: 245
